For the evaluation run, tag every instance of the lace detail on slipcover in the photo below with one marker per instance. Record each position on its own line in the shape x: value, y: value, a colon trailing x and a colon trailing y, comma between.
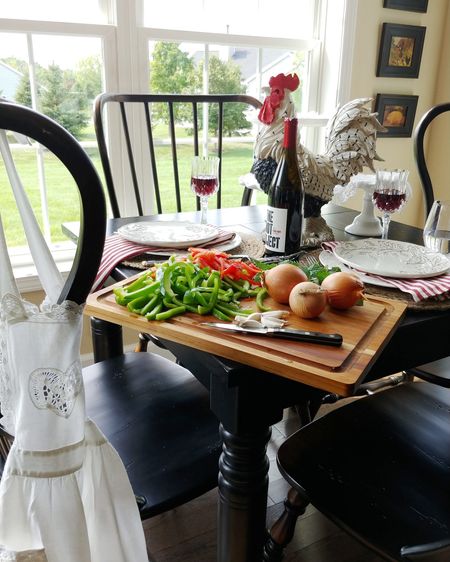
x: 56, y: 390
x: 14, y: 309
x: 10, y: 308
x: 67, y: 310
x: 24, y: 556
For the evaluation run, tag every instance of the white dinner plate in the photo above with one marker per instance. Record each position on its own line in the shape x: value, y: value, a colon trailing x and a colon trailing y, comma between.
x: 225, y: 247
x: 168, y: 234
x: 392, y: 258
x: 330, y: 260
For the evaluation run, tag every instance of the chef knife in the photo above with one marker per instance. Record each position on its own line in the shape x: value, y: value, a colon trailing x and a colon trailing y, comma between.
x: 299, y: 335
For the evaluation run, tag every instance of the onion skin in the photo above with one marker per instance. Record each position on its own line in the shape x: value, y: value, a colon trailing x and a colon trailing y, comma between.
x: 281, y: 279
x: 343, y: 290
x: 307, y: 300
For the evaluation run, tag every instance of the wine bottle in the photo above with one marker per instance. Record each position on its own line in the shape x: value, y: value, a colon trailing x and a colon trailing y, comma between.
x: 285, y: 199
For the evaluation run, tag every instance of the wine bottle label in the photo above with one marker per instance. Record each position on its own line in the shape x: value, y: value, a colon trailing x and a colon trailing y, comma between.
x: 276, y: 222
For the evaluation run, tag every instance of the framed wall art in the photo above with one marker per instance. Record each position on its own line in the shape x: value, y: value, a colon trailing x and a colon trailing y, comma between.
x: 396, y: 113
x: 408, y: 5
x: 400, y: 50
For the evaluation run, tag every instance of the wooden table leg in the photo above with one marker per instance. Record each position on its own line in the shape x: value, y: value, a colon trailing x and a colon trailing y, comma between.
x: 243, y: 485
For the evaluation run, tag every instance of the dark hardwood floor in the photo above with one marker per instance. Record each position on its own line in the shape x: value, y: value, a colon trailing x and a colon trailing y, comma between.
x: 188, y: 533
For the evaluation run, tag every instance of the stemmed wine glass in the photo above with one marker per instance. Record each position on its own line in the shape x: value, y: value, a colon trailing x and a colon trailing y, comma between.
x: 436, y: 234
x: 389, y: 194
x: 204, y: 180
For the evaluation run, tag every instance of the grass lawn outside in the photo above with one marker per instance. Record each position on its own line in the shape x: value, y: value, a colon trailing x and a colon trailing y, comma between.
x: 62, y: 194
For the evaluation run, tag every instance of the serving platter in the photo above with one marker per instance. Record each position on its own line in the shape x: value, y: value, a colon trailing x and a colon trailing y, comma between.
x: 391, y: 258
x: 168, y: 234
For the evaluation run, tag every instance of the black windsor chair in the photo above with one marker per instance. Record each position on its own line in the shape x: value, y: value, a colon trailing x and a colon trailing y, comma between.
x: 136, y: 183
x: 440, y: 368
x: 218, y: 105
x: 153, y: 411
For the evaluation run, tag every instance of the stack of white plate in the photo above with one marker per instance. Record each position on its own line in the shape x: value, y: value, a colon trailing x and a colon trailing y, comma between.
x: 174, y: 234
x: 386, y: 258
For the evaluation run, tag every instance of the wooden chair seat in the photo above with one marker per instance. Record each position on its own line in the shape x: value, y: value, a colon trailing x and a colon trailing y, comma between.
x: 380, y: 468
x: 157, y: 416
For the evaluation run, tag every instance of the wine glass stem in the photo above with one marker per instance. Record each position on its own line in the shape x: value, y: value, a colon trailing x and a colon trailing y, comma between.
x: 386, y: 220
x: 203, y: 208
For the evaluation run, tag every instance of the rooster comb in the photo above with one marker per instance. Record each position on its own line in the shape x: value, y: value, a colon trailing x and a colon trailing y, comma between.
x: 289, y: 81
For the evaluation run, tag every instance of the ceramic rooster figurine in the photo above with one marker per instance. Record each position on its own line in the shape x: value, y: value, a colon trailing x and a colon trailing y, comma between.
x: 349, y: 147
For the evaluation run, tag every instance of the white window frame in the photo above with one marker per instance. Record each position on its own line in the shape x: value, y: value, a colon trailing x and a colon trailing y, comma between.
x: 125, y: 58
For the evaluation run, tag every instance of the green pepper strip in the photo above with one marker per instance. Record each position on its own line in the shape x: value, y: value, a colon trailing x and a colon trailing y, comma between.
x: 169, y: 313
x: 139, y: 282
x: 220, y: 315
x: 168, y: 303
x: 262, y: 294
x: 233, y: 311
x: 123, y: 296
x: 189, y: 297
x: 151, y: 303
x: 235, y: 285
x: 137, y: 304
x: 199, y: 298
x: 213, y: 297
x: 191, y: 308
x: 166, y: 281
x: 151, y: 315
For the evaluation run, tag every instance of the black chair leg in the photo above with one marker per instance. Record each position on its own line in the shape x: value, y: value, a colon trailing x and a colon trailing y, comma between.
x: 306, y: 411
x: 282, y: 531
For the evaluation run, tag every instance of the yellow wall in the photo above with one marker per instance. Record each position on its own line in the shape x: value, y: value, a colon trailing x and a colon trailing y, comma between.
x: 433, y: 85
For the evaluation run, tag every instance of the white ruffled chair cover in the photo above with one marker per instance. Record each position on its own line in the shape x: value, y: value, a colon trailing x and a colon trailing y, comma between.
x: 64, y: 492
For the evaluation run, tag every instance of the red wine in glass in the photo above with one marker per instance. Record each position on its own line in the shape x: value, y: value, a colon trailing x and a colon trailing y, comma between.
x: 388, y: 201
x: 204, y: 186
x: 204, y: 180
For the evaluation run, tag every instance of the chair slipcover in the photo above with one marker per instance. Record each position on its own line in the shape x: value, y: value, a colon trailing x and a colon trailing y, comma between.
x: 64, y: 492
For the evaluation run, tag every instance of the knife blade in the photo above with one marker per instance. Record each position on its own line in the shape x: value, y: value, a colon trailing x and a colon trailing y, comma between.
x: 298, y: 335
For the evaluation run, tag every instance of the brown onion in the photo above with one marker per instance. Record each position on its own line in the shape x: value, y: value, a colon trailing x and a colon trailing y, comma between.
x: 307, y: 300
x: 343, y: 289
x: 280, y: 280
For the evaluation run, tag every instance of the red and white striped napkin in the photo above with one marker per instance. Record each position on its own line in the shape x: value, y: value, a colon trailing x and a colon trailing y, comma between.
x: 118, y: 249
x: 420, y: 289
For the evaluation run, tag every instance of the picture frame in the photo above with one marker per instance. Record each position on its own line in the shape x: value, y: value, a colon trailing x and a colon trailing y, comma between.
x: 400, y: 51
x: 407, y: 5
x: 396, y: 113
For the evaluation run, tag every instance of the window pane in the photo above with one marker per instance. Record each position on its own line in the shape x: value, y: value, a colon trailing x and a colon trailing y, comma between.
x: 63, y: 203
x: 81, y: 11
x: 177, y: 68
x: 287, y: 18
x: 68, y: 72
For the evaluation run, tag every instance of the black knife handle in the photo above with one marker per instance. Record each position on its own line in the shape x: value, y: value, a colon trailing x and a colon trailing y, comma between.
x: 306, y: 336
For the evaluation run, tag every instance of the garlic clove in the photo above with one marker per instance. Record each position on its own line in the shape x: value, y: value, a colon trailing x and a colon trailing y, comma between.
x: 275, y: 314
x: 240, y: 320
x: 269, y: 322
x: 251, y: 324
x: 254, y: 316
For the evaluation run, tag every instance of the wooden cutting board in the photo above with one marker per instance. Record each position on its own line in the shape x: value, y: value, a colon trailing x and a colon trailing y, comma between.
x: 365, y: 329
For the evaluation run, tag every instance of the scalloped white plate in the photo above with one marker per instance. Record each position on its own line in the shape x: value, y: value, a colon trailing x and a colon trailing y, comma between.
x: 168, y: 234
x: 330, y: 260
x: 392, y: 258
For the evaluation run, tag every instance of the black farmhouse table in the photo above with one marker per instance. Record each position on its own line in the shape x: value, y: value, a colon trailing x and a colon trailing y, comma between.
x: 248, y: 401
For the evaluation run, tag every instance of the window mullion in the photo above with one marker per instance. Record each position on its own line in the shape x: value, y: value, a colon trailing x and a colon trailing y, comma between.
x: 39, y: 148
